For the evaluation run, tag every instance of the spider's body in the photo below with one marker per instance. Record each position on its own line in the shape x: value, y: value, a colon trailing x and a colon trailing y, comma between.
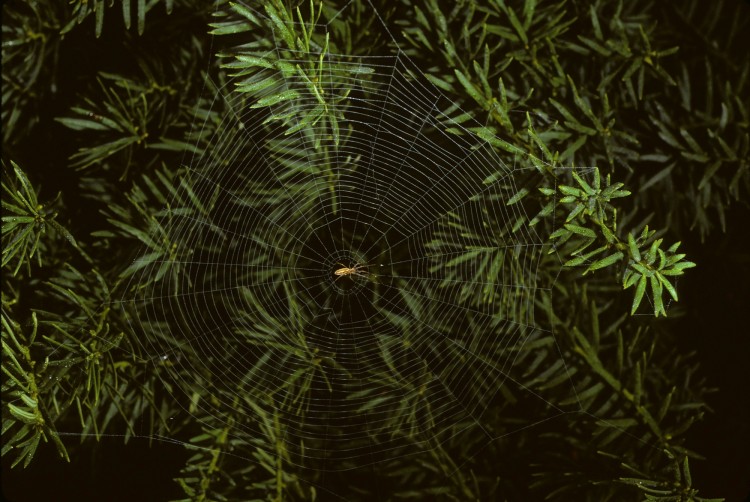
x: 357, y: 269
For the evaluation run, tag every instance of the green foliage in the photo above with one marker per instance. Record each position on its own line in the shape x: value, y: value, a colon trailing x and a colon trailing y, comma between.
x: 269, y: 476
x: 102, y: 333
x: 124, y: 119
x: 82, y: 9
x: 633, y: 386
x: 136, y: 223
x: 609, y: 84
x: 127, y: 119
x: 25, y: 421
x: 679, y: 489
x: 26, y: 222
x: 643, y: 267
x: 31, y: 44
x: 107, y: 377
x: 591, y: 205
x: 284, y: 87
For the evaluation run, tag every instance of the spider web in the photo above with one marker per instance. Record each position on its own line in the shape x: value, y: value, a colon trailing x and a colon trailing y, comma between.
x: 420, y: 344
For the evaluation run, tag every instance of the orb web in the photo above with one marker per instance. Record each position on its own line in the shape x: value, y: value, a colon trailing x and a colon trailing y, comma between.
x: 352, y: 163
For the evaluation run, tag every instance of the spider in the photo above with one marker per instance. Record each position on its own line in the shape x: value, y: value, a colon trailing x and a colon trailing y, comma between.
x: 357, y: 269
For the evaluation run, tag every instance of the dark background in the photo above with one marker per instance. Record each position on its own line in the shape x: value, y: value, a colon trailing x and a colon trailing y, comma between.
x: 717, y: 298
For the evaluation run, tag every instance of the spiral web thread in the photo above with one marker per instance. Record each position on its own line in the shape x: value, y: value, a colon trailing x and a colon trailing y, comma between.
x: 408, y: 352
